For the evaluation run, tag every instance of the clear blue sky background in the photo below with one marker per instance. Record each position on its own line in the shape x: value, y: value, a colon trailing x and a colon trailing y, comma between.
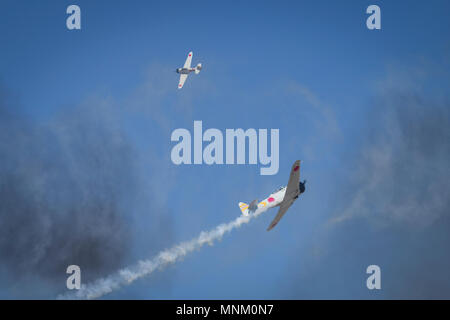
x: 309, y: 68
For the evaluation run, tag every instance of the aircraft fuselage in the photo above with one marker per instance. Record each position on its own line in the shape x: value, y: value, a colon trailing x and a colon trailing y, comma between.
x: 275, y: 199
x: 185, y: 70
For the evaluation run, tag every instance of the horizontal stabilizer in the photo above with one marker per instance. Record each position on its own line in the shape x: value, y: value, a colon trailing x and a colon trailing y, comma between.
x: 244, y: 208
x: 253, y: 206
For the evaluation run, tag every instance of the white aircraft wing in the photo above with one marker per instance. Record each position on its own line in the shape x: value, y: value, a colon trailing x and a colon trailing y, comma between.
x: 183, y: 78
x: 187, y: 64
x: 292, y: 190
x: 280, y: 214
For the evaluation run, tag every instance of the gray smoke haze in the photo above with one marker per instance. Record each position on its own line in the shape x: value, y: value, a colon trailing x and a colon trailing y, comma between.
x: 402, y: 173
x: 64, y: 190
x: 391, y: 208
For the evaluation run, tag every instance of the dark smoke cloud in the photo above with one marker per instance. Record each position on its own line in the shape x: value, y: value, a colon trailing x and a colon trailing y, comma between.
x: 402, y: 173
x: 401, y: 189
x: 65, y: 188
x: 391, y: 208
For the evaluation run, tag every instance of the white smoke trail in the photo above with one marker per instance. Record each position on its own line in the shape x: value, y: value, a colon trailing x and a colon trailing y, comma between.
x: 128, y: 275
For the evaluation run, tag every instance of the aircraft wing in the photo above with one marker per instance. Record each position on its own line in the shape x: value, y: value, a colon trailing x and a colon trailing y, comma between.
x: 280, y: 214
x: 294, y: 181
x: 183, y: 78
x: 292, y: 190
x: 187, y: 64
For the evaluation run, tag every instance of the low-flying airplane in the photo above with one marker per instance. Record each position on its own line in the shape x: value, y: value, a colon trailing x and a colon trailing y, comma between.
x: 283, y: 197
x: 184, y: 72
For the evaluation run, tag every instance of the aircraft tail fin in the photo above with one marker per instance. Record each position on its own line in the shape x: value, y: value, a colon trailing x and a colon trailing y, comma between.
x: 198, y: 68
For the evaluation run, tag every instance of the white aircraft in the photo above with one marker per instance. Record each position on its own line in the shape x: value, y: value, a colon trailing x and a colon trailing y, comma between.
x: 184, y: 72
x: 283, y: 197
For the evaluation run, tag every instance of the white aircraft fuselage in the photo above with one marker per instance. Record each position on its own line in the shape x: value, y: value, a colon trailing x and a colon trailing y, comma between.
x: 273, y: 200
x: 185, y: 70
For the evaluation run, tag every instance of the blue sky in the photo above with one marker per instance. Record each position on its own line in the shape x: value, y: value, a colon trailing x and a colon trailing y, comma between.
x: 310, y: 69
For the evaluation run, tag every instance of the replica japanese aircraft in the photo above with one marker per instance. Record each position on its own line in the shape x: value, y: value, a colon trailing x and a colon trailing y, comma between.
x: 283, y: 197
x: 184, y: 72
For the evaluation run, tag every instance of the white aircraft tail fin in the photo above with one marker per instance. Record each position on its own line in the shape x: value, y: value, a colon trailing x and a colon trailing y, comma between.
x: 198, y: 68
